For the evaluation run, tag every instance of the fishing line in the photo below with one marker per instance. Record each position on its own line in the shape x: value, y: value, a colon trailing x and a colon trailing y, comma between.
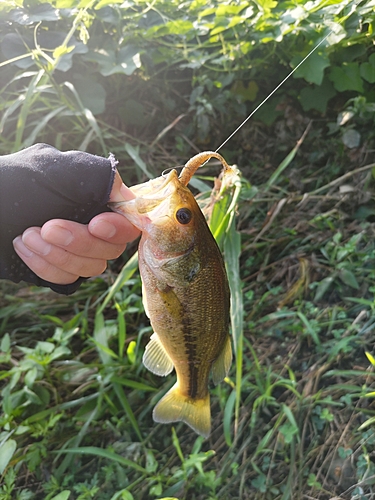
x: 286, y: 78
x: 274, y: 90
x: 167, y: 170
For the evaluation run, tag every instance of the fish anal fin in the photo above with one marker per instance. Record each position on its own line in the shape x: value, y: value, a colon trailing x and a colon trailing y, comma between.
x: 175, y: 407
x: 221, y: 365
x: 155, y: 357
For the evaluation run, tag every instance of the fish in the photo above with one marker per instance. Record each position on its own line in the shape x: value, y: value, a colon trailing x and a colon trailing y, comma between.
x: 185, y: 293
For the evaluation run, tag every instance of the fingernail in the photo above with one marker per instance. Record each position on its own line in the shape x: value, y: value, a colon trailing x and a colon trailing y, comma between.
x: 35, y: 242
x: 21, y: 248
x: 102, y: 229
x: 58, y: 235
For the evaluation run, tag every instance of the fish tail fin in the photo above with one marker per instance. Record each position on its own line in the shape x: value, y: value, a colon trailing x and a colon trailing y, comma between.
x: 175, y: 407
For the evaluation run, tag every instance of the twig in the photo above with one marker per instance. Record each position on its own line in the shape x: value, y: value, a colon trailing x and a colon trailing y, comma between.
x: 342, y: 178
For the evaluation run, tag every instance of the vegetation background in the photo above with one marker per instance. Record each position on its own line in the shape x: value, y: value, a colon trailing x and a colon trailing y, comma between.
x: 155, y: 82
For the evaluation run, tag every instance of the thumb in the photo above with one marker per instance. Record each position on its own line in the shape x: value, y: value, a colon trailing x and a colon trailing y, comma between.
x: 120, y: 192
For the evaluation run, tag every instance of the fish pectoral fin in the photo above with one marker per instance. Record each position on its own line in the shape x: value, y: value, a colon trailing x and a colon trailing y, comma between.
x: 156, y: 358
x: 175, y: 407
x: 221, y: 365
x: 144, y: 299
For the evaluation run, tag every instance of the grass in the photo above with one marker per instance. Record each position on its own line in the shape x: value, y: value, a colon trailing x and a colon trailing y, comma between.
x: 294, y: 418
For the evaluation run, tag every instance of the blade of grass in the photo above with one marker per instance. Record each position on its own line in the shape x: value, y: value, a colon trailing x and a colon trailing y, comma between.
x: 232, y: 250
x: 287, y: 160
x: 126, y: 273
x: 223, y: 227
x: 109, y: 455
x: 309, y: 328
x: 41, y: 124
x: 133, y: 384
x: 100, y: 339
x: 30, y: 96
x: 10, y: 110
x: 88, y: 115
x: 228, y: 412
x: 127, y: 408
x: 133, y: 152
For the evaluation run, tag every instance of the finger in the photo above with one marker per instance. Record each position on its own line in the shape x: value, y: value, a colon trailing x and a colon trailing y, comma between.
x: 60, y: 258
x: 114, y: 228
x: 77, y: 239
x: 119, y: 191
x: 41, y: 267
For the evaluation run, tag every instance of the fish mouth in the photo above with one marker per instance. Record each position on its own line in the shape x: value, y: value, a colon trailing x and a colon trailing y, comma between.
x: 151, y: 202
x: 155, y: 189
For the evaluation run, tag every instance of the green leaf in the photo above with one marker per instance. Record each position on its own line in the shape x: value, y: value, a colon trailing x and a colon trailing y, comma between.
x: 317, y: 97
x: 266, y: 5
x: 14, y: 47
x: 228, y: 10
x: 5, y: 343
x: 30, y: 377
x: 346, y: 77
x: 126, y: 60
x: 248, y: 93
x: 61, y: 50
x: 7, y: 450
x: 34, y: 14
x: 288, y: 431
x: 46, y: 347
x: 179, y: 27
x: 104, y: 3
x: 348, y: 278
x: 123, y: 494
x: 323, y: 287
x: 367, y: 69
x: 64, y: 495
x: 312, y: 70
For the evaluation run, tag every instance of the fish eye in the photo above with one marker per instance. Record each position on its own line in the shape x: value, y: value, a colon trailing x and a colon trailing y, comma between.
x: 184, y: 215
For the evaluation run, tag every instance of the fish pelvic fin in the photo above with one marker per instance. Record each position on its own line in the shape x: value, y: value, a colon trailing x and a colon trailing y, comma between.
x: 221, y: 365
x: 175, y: 407
x: 156, y: 358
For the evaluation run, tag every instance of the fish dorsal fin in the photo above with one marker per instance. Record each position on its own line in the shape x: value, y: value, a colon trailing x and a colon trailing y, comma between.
x: 156, y: 358
x: 221, y: 365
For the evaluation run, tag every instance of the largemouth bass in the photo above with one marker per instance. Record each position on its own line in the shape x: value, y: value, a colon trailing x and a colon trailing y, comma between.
x: 185, y: 293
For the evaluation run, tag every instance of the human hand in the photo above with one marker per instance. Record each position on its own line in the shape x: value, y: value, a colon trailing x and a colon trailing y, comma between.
x: 61, y: 251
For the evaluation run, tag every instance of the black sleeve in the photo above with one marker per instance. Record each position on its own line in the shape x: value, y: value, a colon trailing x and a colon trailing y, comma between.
x: 42, y: 183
